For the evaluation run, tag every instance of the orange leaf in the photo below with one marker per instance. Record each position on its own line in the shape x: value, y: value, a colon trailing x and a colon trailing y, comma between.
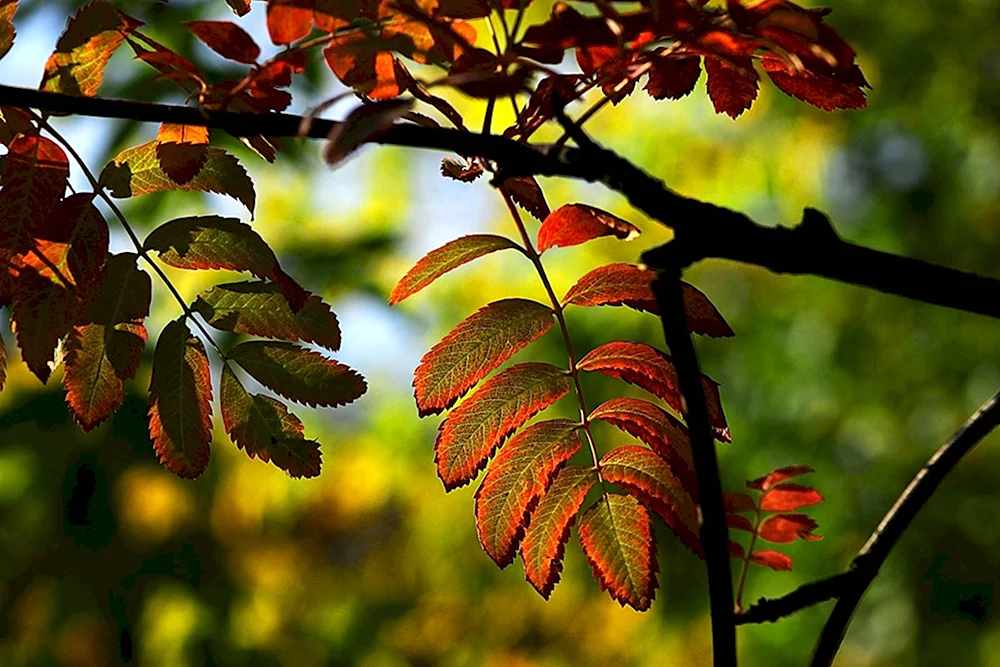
x: 775, y: 560
x: 788, y: 497
x: 648, y: 477
x: 182, y: 151
x: 775, y: 477
x: 548, y: 531
x: 180, y: 392
x: 227, y: 39
x: 475, y: 348
x: 732, y: 84
x: 517, y: 478
x: 617, y: 538
x: 288, y: 20
x: 372, y: 72
x: 573, y: 224
x: 440, y: 261
x: 784, y: 528
x: 471, y: 433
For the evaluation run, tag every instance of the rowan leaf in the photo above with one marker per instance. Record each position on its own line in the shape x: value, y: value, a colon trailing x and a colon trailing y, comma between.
x: 239, y: 7
x: 736, y: 550
x: 548, y: 531
x: 369, y: 70
x: 475, y: 348
x: 182, y: 151
x: 573, y: 224
x: 737, y: 522
x: 652, y: 370
x: 299, y: 374
x: 288, y: 20
x: 516, y: 479
x: 734, y: 501
x: 701, y: 314
x: 211, y: 242
x: 7, y: 32
x: 106, y: 350
x: 180, y: 392
x: 732, y: 84
x: 470, y: 434
x: 775, y: 560
x: 826, y: 92
x: 227, y: 39
x: 82, y: 52
x: 617, y: 538
x: 450, y: 256
x: 788, y: 497
x: 362, y: 125
x: 784, y: 528
x: 672, y: 76
x: 526, y: 193
x: 648, y: 477
x: 264, y: 428
x: 138, y: 171
x: 262, y: 309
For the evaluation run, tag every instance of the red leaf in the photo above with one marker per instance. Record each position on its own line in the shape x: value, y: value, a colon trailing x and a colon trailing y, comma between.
x: 548, y: 531
x: 652, y: 370
x: 732, y: 84
x: 525, y: 192
x: 265, y: 428
x: 736, y: 550
x: 775, y: 477
x: 648, y: 477
x: 617, y: 538
x: 737, y: 522
x: 471, y: 433
x: 775, y: 560
x: 450, y: 256
x: 738, y: 502
x: 826, y: 92
x: 573, y: 224
x: 789, y: 497
x: 372, y: 72
x: 702, y: 315
x: 364, y: 124
x: 517, y: 478
x: 288, y: 21
x: 672, y: 76
x: 475, y: 348
x: 784, y: 528
x: 227, y: 39
x: 240, y: 7
x: 180, y: 392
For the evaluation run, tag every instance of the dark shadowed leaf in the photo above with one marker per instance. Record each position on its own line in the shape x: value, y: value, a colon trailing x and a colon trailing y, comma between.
x: 227, y: 39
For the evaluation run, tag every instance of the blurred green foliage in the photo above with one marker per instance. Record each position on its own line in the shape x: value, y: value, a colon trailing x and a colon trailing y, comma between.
x: 105, y: 556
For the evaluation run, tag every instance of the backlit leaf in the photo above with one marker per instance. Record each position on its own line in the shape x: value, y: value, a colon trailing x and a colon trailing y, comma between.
x: 137, y: 171
x: 288, y: 20
x: 548, y: 531
x: 775, y: 560
x: 262, y: 309
x: 732, y: 84
x: 371, y: 71
x: 83, y: 50
x: 7, y: 32
x: 573, y: 224
x: 299, y: 374
x: 784, y: 528
x: 450, y: 256
x: 105, y: 351
x: 180, y: 393
x: 211, y: 242
x: 778, y: 476
x: 227, y: 39
x: 475, y: 348
x: 617, y: 538
x: 648, y: 477
x: 182, y: 150
x: 264, y: 428
x: 517, y: 478
x: 672, y: 76
x: 789, y: 497
x: 828, y: 93
x: 473, y: 430
x: 652, y: 370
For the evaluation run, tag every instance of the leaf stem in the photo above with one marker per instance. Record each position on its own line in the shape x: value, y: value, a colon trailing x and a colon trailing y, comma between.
x: 557, y: 308
x: 746, y: 560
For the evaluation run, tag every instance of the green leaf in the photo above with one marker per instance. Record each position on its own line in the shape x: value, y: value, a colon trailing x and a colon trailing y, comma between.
x: 266, y: 429
x: 137, y: 171
x: 180, y: 392
x: 211, y: 242
x: 299, y: 374
x: 262, y: 309
x: 7, y: 32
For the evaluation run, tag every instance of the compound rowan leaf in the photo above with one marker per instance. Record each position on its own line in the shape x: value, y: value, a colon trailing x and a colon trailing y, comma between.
x: 656, y: 427
x: 450, y: 256
x: 138, y: 171
x: 288, y: 20
x: 473, y: 430
x: 264, y: 428
x: 652, y: 370
x: 83, y: 50
x: 211, y: 242
x: 105, y: 351
x: 7, y: 32
x: 262, y: 309
x: 573, y: 224
x: 180, y: 393
x: 648, y: 477
x: 784, y: 528
x: 672, y: 76
x: 617, y: 538
x: 548, y: 531
x: 517, y: 478
x: 227, y: 39
x: 775, y: 560
x: 778, y: 476
x: 789, y: 497
x: 474, y: 349
x: 299, y: 374
x: 732, y: 84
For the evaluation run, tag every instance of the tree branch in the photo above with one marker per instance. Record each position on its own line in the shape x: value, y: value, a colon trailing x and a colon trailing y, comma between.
x: 714, y: 532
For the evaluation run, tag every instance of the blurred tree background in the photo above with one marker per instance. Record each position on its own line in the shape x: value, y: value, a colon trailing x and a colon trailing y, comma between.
x: 372, y: 563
